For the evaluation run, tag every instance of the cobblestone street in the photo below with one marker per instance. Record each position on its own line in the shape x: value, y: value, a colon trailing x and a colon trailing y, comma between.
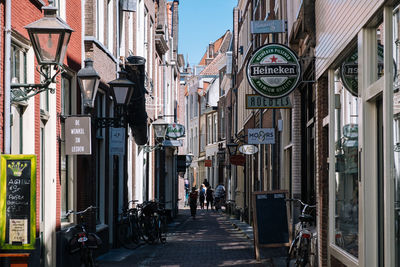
x: 209, y: 240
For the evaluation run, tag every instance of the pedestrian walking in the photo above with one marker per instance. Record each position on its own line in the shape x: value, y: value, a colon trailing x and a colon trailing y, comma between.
x: 209, y: 197
x: 202, y: 196
x: 193, y: 202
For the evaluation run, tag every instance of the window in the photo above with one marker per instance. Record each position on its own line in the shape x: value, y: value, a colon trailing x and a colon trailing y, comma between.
x: 215, y: 128
x: 65, y: 163
x: 18, y: 75
x: 100, y: 20
x: 110, y: 26
x: 346, y: 169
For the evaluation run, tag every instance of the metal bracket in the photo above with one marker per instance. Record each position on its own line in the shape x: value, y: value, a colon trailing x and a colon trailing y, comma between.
x: 22, y: 91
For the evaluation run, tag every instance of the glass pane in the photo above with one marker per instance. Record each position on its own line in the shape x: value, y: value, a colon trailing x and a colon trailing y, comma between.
x: 47, y: 45
x: 396, y: 131
x: 346, y: 168
x: 120, y: 94
x: 67, y: 35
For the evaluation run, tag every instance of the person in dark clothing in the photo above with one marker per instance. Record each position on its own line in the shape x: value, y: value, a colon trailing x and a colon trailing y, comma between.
x: 202, y: 196
x: 206, y: 183
x: 209, y: 197
x: 193, y: 202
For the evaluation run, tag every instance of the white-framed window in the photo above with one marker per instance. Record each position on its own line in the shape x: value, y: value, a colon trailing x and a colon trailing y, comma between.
x: 110, y: 26
x: 100, y: 20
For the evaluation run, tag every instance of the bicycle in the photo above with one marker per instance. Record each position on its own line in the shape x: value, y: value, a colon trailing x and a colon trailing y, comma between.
x: 303, y: 247
x: 153, y: 222
x: 129, y: 233
x: 82, y: 240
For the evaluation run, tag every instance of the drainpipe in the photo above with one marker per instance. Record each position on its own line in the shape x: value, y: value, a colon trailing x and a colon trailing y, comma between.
x: 7, y: 78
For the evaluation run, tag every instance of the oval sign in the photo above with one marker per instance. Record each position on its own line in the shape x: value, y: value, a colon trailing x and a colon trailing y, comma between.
x: 273, y: 70
x: 175, y: 130
x: 248, y: 149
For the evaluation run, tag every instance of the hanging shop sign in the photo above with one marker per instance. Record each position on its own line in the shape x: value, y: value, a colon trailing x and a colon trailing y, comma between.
x: 248, y: 149
x: 18, y: 202
x: 78, y: 136
x: 349, y: 70
x: 172, y: 143
x: 350, y: 131
x: 258, y: 136
x: 175, y: 130
x: 207, y: 163
x: 258, y: 101
x: 273, y: 70
x: 239, y: 160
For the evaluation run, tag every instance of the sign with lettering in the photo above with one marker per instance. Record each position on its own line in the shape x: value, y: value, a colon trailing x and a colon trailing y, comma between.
x: 268, y: 26
x: 248, y: 149
x: 18, y: 202
x: 258, y: 136
x: 175, y: 130
x: 117, y: 144
x: 273, y: 70
x: 207, y: 163
x: 78, y: 136
x: 258, y: 101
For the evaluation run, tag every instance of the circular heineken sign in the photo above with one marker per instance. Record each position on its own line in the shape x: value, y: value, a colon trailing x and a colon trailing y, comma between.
x: 273, y: 70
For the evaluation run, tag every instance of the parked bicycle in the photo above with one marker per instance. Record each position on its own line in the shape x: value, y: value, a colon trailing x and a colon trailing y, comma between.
x: 82, y: 240
x: 303, y: 246
x: 153, y: 221
x: 129, y: 231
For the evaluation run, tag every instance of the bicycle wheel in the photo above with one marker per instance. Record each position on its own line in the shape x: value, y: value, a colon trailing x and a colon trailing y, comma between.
x: 136, y: 233
x: 125, y: 235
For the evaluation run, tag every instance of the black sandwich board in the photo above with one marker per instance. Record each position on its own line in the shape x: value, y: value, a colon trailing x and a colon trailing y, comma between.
x: 270, y: 217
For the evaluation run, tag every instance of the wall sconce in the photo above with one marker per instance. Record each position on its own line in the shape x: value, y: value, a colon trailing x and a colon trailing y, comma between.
x: 49, y: 37
x: 160, y: 128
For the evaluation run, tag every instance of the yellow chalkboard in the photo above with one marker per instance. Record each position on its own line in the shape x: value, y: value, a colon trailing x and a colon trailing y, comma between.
x: 18, y: 202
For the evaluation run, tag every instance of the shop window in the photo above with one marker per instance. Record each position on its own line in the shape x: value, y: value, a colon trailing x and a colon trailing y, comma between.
x: 346, y: 168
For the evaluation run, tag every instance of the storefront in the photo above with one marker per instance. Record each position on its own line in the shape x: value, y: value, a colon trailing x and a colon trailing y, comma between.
x: 364, y: 133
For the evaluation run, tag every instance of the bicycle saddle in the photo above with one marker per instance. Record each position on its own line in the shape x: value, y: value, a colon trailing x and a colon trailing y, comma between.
x: 306, y: 218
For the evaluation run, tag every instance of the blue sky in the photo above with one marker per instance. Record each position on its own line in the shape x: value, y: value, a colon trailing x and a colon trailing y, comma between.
x: 202, y: 22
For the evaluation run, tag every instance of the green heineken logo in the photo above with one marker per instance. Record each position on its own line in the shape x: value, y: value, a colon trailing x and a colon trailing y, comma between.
x: 349, y: 70
x: 273, y: 70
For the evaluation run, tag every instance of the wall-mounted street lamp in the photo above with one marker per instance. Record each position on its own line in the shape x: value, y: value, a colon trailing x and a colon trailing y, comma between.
x: 221, y: 152
x: 160, y: 128
x: 232, y: 148
x: 121, y: 90
x: 49, y: 37
x: 189, y: 159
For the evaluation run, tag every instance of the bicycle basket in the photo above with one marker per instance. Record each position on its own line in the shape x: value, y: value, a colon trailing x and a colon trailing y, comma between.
x: 93, y: 241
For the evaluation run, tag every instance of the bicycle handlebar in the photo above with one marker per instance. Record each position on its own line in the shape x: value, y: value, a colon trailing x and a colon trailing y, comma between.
x: 301, y: 202
x: 80, y: 212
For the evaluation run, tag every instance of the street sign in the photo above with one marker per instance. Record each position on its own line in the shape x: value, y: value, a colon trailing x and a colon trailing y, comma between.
x: 258, y: 136
x: 258, y: 101
x: 248, y: 149
x: 268, y: 26
x: 207, y: 163
x: 273, y: 70
x: 237, y: 160
x: 78, y: 136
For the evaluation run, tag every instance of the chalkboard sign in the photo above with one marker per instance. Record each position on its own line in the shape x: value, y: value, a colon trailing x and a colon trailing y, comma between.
x: 271, y: 225
x: 18, y: 202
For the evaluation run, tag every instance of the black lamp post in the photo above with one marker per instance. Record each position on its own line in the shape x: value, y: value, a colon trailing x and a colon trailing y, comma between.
x: 160, y: 127
x: 49, y: 37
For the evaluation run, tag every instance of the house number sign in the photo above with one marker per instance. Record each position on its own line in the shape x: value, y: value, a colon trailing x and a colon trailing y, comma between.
x: 273, y: 70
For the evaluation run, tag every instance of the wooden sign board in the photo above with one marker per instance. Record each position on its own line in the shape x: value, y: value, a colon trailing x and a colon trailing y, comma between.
x: 271, y: 222
x: 18, y: 202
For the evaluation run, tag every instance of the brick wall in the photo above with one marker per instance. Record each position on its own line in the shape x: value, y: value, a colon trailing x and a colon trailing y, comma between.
x: 322, y: 175
x: 296, y: 141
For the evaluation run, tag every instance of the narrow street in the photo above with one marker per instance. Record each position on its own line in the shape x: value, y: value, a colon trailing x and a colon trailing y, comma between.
x: 209, y: 240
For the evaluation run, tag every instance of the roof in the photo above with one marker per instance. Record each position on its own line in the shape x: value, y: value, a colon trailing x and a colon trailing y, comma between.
x: 214, y: 66
x: 220, y: 46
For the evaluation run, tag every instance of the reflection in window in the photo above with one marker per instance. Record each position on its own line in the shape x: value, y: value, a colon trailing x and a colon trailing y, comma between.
x: 346, y: 168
